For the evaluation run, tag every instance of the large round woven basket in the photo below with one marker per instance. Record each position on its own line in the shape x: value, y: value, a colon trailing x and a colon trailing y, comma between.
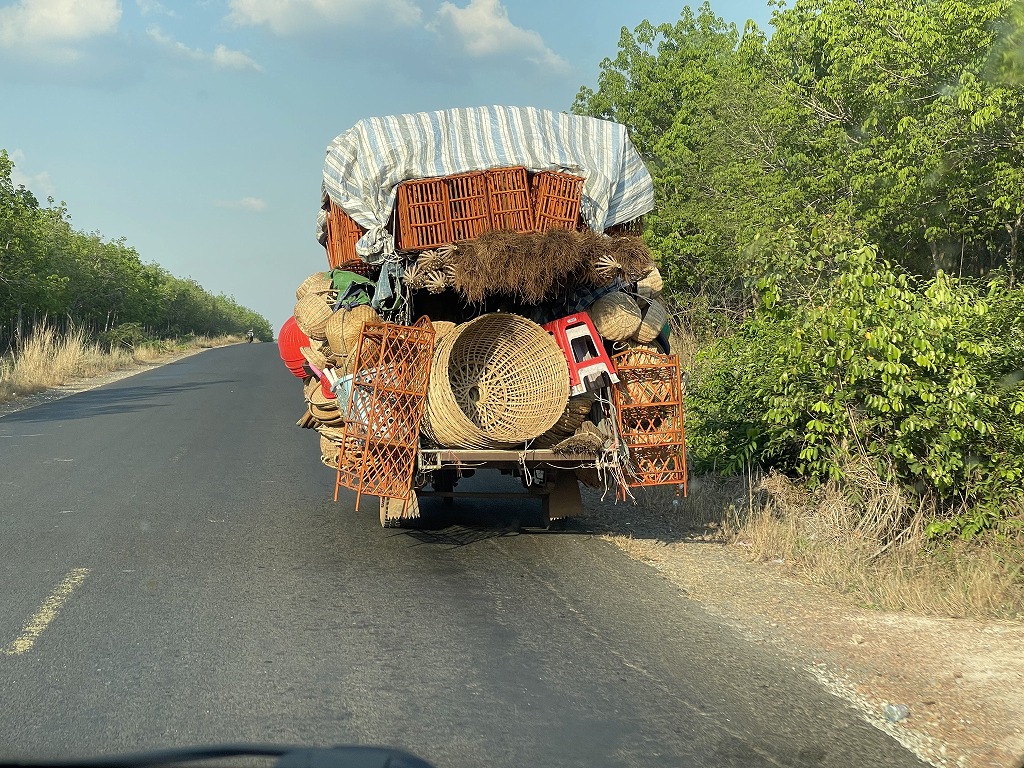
x: 311, y: 314
x: 616, y: 316
x: 654, y: 319
x: 495, y: 382
x: 318, y: 282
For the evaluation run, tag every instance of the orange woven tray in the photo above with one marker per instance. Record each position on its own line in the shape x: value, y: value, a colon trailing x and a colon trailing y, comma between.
x: 556, y: 200
x: 424, y: 218
x: 342, y: 235
x: 470, y: 213
x: 508, y: 195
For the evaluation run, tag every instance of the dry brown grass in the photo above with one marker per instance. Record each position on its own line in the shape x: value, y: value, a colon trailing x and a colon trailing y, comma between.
x: 50, y: 359
x: 865, y: 538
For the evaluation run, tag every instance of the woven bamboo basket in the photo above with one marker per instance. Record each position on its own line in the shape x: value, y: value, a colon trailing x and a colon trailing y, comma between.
x: 496, y: 381
x: 654, y: 318
x: 650, y: 285
x: 334, y: 331
x: 314, y: 356
x: 616, y: 316
x: 329, y: 451
x: 307, y: 386
x: 352, y: 323
x: 442, y: 328
x: 318, y: 282
x: 311, y: 314
x: 318, y: 399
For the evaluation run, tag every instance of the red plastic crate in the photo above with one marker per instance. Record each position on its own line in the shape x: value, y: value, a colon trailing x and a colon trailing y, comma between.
x: 467, y: 196
x: 342, y: 234
x: 424, y: 218
x: 508, y: 195
x: 556, y: 200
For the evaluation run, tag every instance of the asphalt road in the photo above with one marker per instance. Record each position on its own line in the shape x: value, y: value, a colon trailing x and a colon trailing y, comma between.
x: 173, y: 571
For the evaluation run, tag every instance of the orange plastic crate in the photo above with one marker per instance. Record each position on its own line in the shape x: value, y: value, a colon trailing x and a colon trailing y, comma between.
x: 470, y: 213
x: 424, y: 219
x: 342, y: 235
x: 508, y: 195
x: 556, y: 200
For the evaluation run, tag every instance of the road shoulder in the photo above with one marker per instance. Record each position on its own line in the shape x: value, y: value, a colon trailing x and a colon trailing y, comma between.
x: 962, y: 680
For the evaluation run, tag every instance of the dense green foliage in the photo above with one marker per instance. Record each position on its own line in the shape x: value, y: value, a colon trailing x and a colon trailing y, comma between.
x: 47, y: 269
x: 848, y: 194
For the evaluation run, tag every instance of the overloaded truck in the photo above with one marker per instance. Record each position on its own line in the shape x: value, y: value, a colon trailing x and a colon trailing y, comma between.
x: 489, y: 304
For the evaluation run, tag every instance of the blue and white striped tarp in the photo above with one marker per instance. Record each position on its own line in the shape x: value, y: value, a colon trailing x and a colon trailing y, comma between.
x: 366, y: 163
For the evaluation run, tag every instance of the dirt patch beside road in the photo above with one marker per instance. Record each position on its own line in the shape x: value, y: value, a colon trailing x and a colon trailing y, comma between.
x: 962, y: 680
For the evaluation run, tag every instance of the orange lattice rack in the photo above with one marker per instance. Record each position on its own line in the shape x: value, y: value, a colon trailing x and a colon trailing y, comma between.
x: 508, y: 195
x: 424, y: 218
x: 385, y: 409
x: 342, y: 234
x: 649, y: 409
x: 470, y: 212
x: 556, y: 200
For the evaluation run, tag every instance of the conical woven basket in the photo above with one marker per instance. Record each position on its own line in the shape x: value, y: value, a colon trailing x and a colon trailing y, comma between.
x: 495, y: 382
x: 654, y: 319
x: 311, y: 314
x: 352, y: 323
x: 616, y: 316
x: 318, y: 282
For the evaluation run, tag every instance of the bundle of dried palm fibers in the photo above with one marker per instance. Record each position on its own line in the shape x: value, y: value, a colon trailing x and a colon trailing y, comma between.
x: 630, y: 255
x: 529, y: 267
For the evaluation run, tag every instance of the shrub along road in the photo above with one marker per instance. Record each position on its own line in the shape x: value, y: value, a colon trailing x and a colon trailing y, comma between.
x: 175, y: 573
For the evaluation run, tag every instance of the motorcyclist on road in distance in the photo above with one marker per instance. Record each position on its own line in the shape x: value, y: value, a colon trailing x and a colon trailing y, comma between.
x: 249, y: 336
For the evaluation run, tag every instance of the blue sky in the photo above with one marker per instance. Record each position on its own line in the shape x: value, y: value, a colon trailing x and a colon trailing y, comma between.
x: 197, y: 130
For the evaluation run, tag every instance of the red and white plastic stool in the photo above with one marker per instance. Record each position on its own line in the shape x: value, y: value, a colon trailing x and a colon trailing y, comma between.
x: 590, y: 367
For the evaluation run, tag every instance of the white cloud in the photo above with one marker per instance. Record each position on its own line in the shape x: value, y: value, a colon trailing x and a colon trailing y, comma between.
x: 49, y: 28
x: 153, y: 8
x: 39, y: 184
x: 253, y: 204
x: 288, y: 17
x: 222, y: 56
x: 483, y: 29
